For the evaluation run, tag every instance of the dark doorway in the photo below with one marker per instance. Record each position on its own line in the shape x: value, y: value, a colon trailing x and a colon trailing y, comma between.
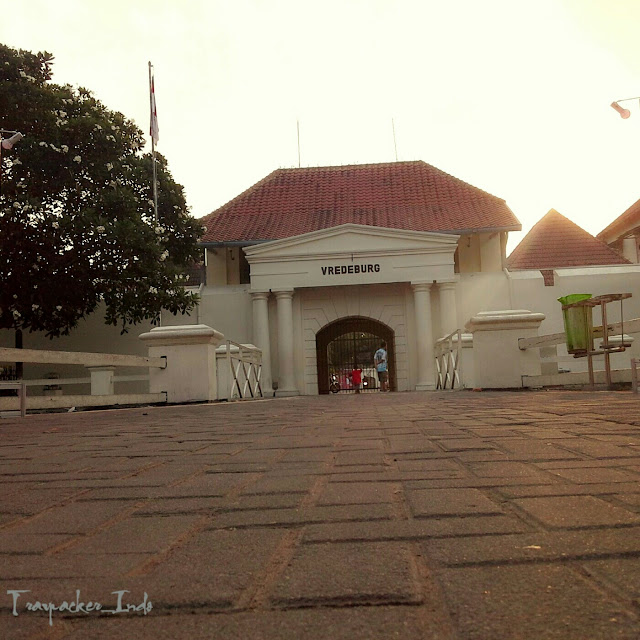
x: 349, y: 343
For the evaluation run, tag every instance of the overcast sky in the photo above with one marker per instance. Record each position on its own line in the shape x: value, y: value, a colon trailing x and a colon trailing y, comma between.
x: 511, y: 96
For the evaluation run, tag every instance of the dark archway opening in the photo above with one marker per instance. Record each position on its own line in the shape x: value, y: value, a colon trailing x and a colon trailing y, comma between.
x: 349, y: 343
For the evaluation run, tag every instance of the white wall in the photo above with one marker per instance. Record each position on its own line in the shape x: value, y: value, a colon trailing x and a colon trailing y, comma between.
x: 228, y: 309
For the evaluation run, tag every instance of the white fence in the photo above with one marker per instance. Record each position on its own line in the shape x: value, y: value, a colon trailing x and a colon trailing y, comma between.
x: 552, y: 376
x: 242, y: 371
x: 448, y: 354
x: 186, y: 365
x: 101, y: 367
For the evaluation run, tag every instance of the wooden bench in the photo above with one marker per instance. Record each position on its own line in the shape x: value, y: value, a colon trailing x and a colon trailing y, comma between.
x: 21, y: 388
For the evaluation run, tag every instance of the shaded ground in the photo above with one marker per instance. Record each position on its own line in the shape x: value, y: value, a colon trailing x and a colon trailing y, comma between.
x: 415, y: 515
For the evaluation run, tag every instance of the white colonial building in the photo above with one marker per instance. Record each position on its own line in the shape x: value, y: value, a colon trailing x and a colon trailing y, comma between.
x: 316, y: 266
x: 378, y: 252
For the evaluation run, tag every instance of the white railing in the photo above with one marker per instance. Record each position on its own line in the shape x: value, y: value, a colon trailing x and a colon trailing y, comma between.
x: 548, y: 356
x: 448, y: 354
x: 244, y: 365
x: 101, y: 366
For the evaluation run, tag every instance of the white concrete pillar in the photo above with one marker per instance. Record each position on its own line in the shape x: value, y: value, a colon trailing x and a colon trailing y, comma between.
x: 448, y: 308
x: 101, y: 380
x: 286, y: 381
x: 190, y: 374
x: 499, y: 363
x: 261, y: 337
x: 424, y: 337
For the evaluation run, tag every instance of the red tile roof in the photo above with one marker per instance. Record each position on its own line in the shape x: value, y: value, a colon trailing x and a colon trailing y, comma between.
x: 622, y: 224
x: 555, y: 242
x: 399, y: 195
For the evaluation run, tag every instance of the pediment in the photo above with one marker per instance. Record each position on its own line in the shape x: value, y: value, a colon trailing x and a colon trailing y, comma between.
x: 352, y: 240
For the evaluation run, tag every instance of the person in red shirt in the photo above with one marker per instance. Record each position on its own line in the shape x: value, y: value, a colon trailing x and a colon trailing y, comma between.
x: 356, y: 379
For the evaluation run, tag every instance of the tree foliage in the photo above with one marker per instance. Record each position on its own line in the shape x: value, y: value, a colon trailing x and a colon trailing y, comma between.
x: 77, y: 224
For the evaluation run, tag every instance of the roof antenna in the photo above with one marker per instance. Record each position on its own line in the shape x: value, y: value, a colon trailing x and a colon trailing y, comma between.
x: 393, y: 128
x: 298, y: 125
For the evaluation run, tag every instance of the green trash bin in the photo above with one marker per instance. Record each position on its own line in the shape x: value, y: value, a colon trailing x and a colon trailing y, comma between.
x: 578, y: 324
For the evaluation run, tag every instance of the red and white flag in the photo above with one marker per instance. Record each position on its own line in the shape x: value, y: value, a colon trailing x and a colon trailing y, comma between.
x: 154, y: 131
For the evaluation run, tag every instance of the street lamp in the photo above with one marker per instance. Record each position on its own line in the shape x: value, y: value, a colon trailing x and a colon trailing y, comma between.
x: 7, y: 143
x: 624, y: 113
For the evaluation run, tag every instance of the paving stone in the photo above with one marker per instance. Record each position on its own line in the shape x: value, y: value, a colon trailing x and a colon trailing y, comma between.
x: 13, y: 542
x: 496, y: 549
x: 72, y: 518
x: 209, y: 484
x: 429, y: 466
x: 358, y: 493
x: 213, y: 569
x: 595, y: 475
x: 36, y: 499
x: 264, y: 501
x: 414, y: 443
x: 122, y: 493
x: 287, y: 484
x: 536, y: 450
x: 568, y: 489
x: 624, y: 573
x: 465, y: 444
x: 631, y: 499
x: 179, y: 505
x: 349, y: 572
x: 507, y: 470
x: 147, y: 534
x: 450, y: 502
x: 548, y: 601
x: 576, y: 511
x: 290, y: 517
x: 360, y: 458
x: 596, y: 449
x: 30, y: 567
x: 414, y: 529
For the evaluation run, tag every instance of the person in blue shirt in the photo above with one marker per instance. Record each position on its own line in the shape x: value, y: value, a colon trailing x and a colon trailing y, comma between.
x: 380, y: 361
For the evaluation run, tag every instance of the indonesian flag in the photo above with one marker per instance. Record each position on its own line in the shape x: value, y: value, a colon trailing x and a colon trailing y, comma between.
x: 154, y: 131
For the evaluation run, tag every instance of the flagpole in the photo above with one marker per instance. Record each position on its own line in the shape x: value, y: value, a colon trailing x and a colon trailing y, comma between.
x: 153, y: 130
x: 152, y: 107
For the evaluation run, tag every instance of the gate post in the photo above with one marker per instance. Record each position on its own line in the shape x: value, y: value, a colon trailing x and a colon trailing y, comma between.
x: 190, y: 374
x: 498, y: 361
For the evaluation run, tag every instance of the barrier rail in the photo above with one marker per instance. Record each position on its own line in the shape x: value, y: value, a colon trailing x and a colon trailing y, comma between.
x: 548, y: 344
x: 245, y: 368
x: 449, y: 361
x: 101, y: 365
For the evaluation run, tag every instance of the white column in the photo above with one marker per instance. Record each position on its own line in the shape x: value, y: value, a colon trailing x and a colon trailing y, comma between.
x: 286, y: 382
x: 424, y: 336
x: 448, y: 308
x: 261, y: 337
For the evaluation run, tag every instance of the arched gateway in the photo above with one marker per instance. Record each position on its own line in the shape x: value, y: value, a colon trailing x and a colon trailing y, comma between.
x: 348, y: 343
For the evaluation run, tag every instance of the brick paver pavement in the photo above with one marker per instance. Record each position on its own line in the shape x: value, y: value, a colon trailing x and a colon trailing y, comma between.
x: 415, y: 515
